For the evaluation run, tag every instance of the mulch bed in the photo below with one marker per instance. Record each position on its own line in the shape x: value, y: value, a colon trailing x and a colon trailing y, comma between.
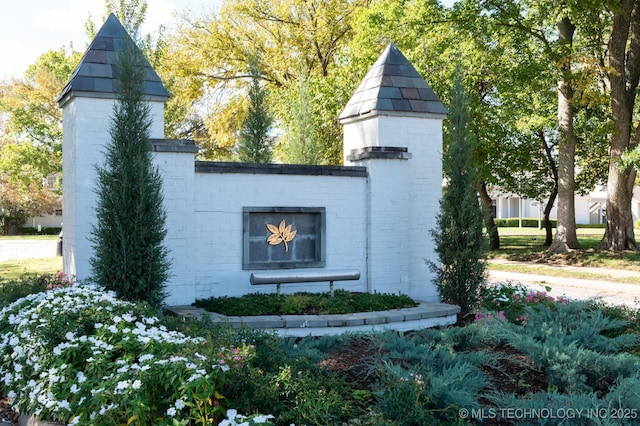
x: 7, y: 415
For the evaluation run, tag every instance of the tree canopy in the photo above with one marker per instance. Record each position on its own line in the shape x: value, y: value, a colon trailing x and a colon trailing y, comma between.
x: 551, y: 83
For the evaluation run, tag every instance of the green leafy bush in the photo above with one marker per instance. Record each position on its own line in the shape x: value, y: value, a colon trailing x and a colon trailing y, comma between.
x: 311, y: 303
x: 509, y: 301
x: 12, y: 290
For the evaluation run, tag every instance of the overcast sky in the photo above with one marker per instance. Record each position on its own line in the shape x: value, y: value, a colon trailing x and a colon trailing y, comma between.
x: 29, y: 28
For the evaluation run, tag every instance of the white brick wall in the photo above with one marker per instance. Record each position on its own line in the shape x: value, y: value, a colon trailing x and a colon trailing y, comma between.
x: 179, y: 199
x: 388, y: 225
x: 219, y: 203
x: 423, y: 138
x: 85, y: 130
x: 378, y: 225
x: 422, y: 181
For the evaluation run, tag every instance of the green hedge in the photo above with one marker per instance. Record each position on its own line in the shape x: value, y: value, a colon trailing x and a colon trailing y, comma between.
x: 44, y: 231
x: 514, y: 222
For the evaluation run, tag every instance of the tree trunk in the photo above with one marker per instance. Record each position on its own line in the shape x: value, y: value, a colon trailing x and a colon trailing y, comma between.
x: 546, y: 220
x: 566, y: 237
x: 623, y: 80
x: 489, y: 223
x: 553, y: 170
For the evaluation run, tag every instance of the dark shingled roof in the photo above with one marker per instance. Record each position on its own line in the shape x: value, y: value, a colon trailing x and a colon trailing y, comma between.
x: 96, y: 75
x: 393, y: 85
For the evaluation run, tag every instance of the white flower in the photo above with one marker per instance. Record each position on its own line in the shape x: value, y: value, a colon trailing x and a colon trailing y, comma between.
x: 180, y: 404
x: 145, y: 357
x: 171, y: 412
x: 128, y: 317
x: 194, y: 377
x: 137, y: 384
x: 262, y: 418
x: 121, y: 387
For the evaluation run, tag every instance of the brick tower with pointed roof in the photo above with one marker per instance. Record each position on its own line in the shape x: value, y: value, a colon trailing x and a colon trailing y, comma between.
x: 87, y: 107
x: 393, y: 126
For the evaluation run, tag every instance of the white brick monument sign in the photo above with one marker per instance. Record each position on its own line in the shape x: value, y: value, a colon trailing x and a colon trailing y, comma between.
x: 226, y: 221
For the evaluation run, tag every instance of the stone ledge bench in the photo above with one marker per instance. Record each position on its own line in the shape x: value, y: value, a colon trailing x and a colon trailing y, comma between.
x: 300, y: 276
x: 425, y: 315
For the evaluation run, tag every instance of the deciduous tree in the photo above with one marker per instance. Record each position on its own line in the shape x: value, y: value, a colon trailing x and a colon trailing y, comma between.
x: 299, y: 37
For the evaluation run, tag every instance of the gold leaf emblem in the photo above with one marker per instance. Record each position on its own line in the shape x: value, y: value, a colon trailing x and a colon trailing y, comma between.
x: 280, y: 234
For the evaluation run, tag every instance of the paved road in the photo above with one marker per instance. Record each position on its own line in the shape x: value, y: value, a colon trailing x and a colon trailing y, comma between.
x: 27, y: 249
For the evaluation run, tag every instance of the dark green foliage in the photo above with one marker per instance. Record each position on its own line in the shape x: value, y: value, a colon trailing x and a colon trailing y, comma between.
x: 570, y: 345
x: 256, y: 144
x: 311, y: 303
x: 129, y: 256
x: 617, y: 407
x: 436, y: 385
x: 43, y: 231
x: 458, y: 236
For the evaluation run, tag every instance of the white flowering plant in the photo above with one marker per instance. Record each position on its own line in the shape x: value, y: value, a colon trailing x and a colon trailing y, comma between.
x: 79, y: 355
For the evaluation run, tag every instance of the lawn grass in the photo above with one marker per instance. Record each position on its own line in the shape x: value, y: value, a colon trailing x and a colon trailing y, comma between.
x: 567, y: 273
x: 526, y: 245
x: 27, y: 237
x: 13, y: 269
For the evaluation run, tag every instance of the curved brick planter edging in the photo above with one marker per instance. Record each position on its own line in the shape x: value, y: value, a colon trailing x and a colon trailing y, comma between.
x: 425, y: 315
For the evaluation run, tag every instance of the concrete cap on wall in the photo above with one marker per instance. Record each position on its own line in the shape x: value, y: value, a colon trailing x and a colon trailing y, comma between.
x: 393, y: 86
x: 96, y: 76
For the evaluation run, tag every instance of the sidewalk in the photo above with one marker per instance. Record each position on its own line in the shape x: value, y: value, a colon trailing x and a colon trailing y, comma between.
x: 609, y: 292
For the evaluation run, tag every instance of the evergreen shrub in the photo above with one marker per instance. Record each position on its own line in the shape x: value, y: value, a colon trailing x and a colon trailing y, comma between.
x: 460, y: 273
x: 128, y: 238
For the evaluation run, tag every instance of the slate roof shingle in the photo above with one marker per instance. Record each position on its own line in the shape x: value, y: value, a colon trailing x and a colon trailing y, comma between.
x: 393, y: 85
x: 96, y: 74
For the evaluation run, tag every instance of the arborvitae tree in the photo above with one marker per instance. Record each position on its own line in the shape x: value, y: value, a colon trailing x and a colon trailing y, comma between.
x: 130, y: 257
x: 256, y: 145
x: 458, y: 236
x: 301, y: 143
